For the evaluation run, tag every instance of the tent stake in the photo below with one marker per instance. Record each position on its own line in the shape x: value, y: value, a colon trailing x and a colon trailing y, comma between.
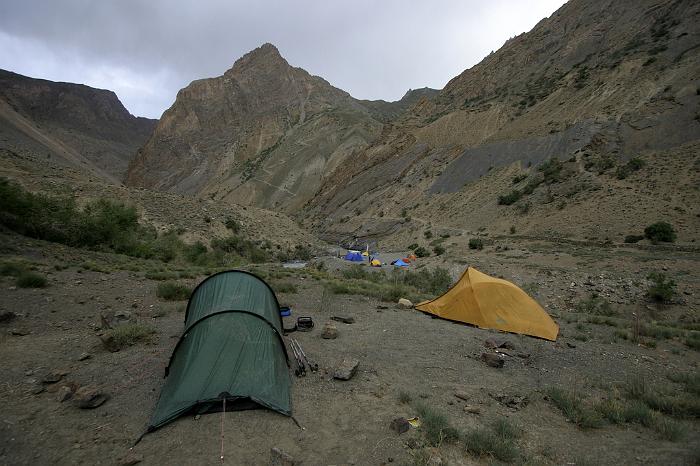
x: 223, y: 413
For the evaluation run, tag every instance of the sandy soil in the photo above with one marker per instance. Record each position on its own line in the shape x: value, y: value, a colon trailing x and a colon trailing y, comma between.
x: 344, y: 422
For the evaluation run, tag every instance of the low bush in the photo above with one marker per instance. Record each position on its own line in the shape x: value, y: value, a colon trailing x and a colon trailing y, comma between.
x: 633, y: 238
x: 662, y: 288
x: 130, y: 334
x: 439, y: 250
x: 435, y: 426
x: 27, y: 279
x: 173, y: 291
x: 285, y: 287
x: 574, y: 409
x: 11, y: 269
x: 660, y: 232
x: 594, y: 304
x: 476, y: 243
x: 510, y: 198
x: 497, y: 441
x: 421, y: 252
x: 428, y: 234
x: 232, y: 225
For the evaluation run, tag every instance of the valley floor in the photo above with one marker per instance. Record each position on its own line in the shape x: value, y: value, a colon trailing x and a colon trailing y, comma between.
x: 406, y: 359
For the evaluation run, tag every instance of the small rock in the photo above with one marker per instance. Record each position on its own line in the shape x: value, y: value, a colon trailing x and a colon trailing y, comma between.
x: 19, y: 332
x: 472, y: 409
x: 280, y: 458
x: 109, y: 343
x: 53, y: 376
x: 130, y: 459
x: 89, y: 397
x: 523, y: 355
x: 570, y: 345
x: 330, y: 331
x: 7, y: 316
x: 122, y: 316
x: 405, y: 303
x: 346, y: 369
x: 64, y: 393
x: 492, y: 360
x: 462, y: 396
x: 37, y: 388
x: 496, y: 343
x: 345, y: 320
x: 381, y: 306
x: 84, y: 356
x: 400, y: 425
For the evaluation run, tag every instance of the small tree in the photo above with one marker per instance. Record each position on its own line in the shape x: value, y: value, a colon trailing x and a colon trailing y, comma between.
x: 661, y: 288
x: 660, y: 232
x: 421, y: 252
x: 476, y: 243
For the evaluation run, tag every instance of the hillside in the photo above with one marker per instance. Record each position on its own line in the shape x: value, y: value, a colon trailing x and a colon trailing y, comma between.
x: 72, y: 124
x: 264, y: 133
x: 613, y: 96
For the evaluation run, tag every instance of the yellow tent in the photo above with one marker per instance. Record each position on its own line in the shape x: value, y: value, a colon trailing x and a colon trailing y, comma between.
x: 489, y: 302
x: 375, y: 263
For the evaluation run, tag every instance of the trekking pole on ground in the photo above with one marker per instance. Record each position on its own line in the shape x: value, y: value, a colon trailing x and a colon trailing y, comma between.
x: 301, y: 370
x: 312, y: 364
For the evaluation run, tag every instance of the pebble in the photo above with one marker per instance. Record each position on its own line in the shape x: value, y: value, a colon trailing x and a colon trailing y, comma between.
x: 346, y: 370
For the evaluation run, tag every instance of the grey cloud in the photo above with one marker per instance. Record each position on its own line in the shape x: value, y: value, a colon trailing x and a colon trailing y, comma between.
x: 371, y: 49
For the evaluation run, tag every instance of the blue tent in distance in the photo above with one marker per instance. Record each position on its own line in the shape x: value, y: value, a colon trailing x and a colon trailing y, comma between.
x: 354, y: 256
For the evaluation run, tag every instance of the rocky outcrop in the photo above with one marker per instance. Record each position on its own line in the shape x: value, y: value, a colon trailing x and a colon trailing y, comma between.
x: 265, y: 133
x: 72, y: 124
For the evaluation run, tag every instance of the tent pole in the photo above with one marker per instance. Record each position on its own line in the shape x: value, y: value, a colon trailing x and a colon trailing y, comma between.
x: 223, y: 413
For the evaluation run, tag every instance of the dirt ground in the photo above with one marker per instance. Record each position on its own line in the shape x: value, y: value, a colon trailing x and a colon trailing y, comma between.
x: 402, y: 354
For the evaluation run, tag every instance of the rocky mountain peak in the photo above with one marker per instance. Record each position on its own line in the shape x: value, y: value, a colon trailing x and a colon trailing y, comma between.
x: 264, y: 57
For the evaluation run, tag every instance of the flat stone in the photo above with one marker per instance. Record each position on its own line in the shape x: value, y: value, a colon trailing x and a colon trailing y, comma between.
x: 64, y: 393
x: 345, y: 320
x: 89, y: 397
x: 346, y: 369
x: 130, y: 459
x: 84, y: 356
x: 330, y: 331
x: 492, y: 360
x: 53, y: 376
x: 281, y: 458
x: 400, y: 425
x: 472, y: 409
x: 462, y: 396
x: 405, y: 303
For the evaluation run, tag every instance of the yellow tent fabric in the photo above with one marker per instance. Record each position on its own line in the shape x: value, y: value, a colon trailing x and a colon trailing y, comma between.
x: 489, y: 302
x: 376, y: 263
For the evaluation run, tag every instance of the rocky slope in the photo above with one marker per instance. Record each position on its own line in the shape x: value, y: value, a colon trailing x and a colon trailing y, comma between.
x: 389, y: 111
x: 73, y: 124
x: 264, y: 133
x: 595, y: 85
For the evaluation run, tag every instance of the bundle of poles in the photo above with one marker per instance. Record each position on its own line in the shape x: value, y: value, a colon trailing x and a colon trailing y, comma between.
x: 301, y: 359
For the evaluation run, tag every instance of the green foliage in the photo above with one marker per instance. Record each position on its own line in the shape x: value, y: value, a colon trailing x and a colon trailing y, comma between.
x: 435, y: 426
x: 476, y: 243
x: 573, y: 408
x: 302, y: 252
x: 518, y: 178
x: 173, y: 291
x: 594, y: 304
x: 28, y: 279
x: 428, y: 234
x: 693, y: 340
x: 633, y: 238
x: 11, y: 269
x: 551, y: 170
x: 662, y: 288
x: 498, y: 441
x: 232, y: 225
x: 285, y: 287
x: 421, y: 252
x: 510, y: 198
x: 632, y: 165
x: 241, y: 247
x: 130, y: 334
x: 660, y: 232
x: 439, y: 250
x: 404, y: 397
x: 412, y: 247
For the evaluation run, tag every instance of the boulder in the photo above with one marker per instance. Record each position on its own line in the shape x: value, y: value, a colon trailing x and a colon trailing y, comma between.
x: 330, y: 331
x: 405, y: 303
x: 492, y: 360
x: 346, y: 369
x: 89, y: 397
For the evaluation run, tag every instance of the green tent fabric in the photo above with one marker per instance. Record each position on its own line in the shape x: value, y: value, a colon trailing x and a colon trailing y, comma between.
x: 231, y: 348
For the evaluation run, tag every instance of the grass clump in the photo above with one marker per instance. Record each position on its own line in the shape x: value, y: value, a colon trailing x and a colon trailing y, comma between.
x: 510, y: 198
x: 574, y: 409
x: 439, y: 250
x: 286, y: 287
x: 130, y: 334
x: 631, y: 239
x: 28, y: 279
x: 173, y: 291
x: 435, y: 425
x: 421, y: 252
x: 404, y: 397
x: 660, y: 232
x: 662, y: 288
x: 497, y: 441
x: 596, y: 305
x: 476, y: 243
x: 11, y: 269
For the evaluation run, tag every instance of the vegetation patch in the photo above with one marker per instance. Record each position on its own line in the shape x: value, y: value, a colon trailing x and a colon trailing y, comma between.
x: 130, y: 334
x: 574, y: 409
x: 435, y: 426
x: 28, y: 279
x: 476, y: 243
x: 496, y: 441
x: 662, y: 288
x: 173, y: 291
x: 596, y: 305
x: 660, y: 232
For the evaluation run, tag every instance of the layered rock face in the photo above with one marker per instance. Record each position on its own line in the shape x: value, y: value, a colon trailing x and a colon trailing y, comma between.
x: 73, y: 124
x: 594, y: 86
x: 264, y: 133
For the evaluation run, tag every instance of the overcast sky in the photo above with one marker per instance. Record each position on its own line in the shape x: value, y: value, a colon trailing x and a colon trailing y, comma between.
x: 146, y: 50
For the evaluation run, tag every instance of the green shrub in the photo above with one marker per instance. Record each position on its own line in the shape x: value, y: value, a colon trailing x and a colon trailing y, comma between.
x: 633, y: 238
x: 412, y: 247
x: 130, y: 334
x: 232, y: 225
x: 693, y: 340
x: 285, y: 287
x: 439, y: 250
x: 11, y: 269
x: 574, y: 409
x: 302, y: 252
x: 404, y: 397
x: 435, y: 426
x: 661, y: 288
x: 428, y: 234
x: 172, y: 291
x: 496, y: 441
x: 27, y: 279
x: 532, y: 185
x: 660, y: 232
x: 510, y: 198
x: 594, y: 304
x: 518, y: 178
x: 421, y: 252
x: 476, y: 243
x: 551, y: 170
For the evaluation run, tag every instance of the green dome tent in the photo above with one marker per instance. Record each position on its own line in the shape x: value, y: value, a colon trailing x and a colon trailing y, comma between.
x: 232, y: 349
